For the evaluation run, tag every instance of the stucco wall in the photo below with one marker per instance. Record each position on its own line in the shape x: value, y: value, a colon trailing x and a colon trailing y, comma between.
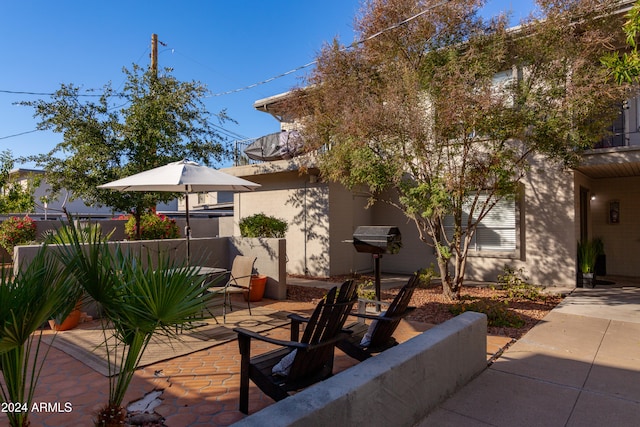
x: 304, y: 205
x: 347, y: 211
x: 547, y: 233
x: 271, y: 255
x: 322, y: 216
x: 226, y: 226
x: 397, y: 387
x: 414, y: 253
x: 547, y: 230
x: 207, y: 252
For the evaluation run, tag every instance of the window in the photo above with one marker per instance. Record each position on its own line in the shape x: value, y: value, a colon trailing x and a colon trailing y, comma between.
x: 502, y: 84
x: 497, y: 232
x: 501, y: 80
x: 617, y: 136
x: 202, y: 198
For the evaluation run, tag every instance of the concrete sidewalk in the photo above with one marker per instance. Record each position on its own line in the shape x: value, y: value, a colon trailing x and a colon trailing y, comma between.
x: 580, y: 366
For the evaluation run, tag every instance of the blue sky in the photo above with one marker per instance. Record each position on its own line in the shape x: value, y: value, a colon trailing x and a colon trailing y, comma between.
x: 227, y: 45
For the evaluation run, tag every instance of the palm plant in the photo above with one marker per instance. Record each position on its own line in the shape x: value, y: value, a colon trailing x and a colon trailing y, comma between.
x: 139, y: 298
x: 85, y: 231
x: 37, y: 293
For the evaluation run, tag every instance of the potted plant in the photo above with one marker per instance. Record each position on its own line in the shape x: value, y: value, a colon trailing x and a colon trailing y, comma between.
x: 601, y: 257
x: 72, y: 320
x: 587, y: 262
x: 261, y: 225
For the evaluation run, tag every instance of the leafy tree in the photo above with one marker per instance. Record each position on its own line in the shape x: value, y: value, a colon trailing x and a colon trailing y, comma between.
x: 15, y: 197
x: 625, y: 66
x: 441, y: 116
x: 161, y: 120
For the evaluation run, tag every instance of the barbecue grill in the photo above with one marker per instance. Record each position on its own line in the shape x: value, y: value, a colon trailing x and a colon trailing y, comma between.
x: 377, y: 240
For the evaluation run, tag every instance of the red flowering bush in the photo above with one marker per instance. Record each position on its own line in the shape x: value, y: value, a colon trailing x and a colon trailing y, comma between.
x: 152, y: 226
x: 17, y: 231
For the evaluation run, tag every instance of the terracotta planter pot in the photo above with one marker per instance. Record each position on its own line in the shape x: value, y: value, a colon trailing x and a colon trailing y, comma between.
x: 70, y: 322
x: 258, y: 283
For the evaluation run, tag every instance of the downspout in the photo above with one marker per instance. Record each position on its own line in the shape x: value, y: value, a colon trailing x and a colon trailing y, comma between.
x: 239, y: 209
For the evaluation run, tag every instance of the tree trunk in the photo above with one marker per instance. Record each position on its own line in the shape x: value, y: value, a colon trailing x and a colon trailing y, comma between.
x: 449, y: 288
x: 460, y: 265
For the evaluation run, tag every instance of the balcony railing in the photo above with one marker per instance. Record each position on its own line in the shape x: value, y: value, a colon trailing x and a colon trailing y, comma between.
x: 241, y: 159
x: 282, y: 145
x: 615, y: 140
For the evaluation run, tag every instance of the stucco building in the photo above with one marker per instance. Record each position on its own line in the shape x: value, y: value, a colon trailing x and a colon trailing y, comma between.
x: 539, y: 231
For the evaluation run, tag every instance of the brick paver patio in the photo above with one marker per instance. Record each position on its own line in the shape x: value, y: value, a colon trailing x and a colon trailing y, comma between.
x: 199, y: 389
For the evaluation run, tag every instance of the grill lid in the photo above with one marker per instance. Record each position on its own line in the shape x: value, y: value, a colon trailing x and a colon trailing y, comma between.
x: 377, y: 239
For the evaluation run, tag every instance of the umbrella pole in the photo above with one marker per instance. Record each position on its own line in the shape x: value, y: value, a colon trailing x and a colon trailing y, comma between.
x: 187, y: 228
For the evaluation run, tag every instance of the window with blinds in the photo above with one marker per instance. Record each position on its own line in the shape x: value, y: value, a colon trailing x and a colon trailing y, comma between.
x: 496, y: 231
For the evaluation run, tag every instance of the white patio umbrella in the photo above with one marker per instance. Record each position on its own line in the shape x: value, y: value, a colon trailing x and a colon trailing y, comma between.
x: 182, y: 177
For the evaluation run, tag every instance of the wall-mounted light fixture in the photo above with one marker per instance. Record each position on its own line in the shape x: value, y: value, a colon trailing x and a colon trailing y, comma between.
x: 614, y: 212
x: 593, y: 196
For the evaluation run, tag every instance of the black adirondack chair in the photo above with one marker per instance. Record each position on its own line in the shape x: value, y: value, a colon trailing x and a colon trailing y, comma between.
x: 313, y: 357
x: 380, y: 331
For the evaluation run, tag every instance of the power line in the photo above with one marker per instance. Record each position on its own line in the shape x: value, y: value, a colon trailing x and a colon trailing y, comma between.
x: 15, y: 92
x: 269, y: 80
x: 19, y: 134
x: 359, y: 42
x: 251, y: 86
x: 227, y: 132
x: 401, y: 23
x: 286, y: 73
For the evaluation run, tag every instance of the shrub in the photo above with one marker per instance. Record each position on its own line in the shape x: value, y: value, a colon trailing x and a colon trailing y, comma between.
x: 515, y: 283
x: 425, y: 275
x: 17, y: 231
x: 152, y: 226
x: 261, y: 225
x: 367, y: 290
x: 497, y: 312
x: 62, y: 234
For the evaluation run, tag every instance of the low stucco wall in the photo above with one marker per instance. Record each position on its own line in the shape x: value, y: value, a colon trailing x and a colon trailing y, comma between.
x: 398, y: 387
x: 218, y: 252
x: 271, y: 261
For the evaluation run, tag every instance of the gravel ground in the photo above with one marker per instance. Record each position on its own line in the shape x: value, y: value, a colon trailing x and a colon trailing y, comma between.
x: 431, y: 306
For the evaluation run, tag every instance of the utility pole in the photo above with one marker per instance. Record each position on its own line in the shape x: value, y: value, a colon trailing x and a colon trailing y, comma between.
x: 154, y: 54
